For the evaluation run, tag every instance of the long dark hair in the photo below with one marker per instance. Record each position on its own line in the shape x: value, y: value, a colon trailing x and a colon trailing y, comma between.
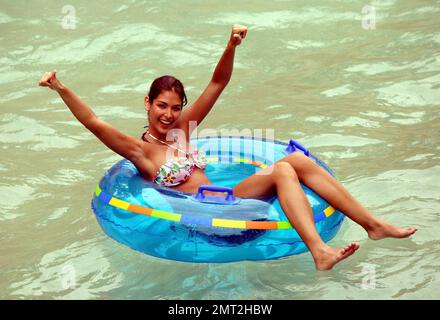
x: 167, y: 83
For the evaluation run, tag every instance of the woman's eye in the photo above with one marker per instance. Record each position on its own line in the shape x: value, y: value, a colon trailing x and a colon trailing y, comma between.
x: 161, y: 106
x: 176, y: 109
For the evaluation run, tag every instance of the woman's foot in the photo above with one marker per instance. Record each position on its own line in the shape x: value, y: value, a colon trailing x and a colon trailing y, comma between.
x: 387, y: 230
x: 326, y: 257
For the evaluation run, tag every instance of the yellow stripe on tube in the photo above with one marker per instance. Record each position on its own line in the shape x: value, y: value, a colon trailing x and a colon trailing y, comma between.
x: 229, y: 223
x: 119, y: 203
x: 240, y: 160
x: 329, y: 211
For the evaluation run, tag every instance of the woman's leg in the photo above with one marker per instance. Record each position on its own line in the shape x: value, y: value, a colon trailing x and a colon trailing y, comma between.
x: 324, y: 184
x: 282, y: 180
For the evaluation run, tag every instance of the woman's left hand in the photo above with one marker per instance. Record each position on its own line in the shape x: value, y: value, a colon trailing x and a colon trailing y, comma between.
x: 237, y: 35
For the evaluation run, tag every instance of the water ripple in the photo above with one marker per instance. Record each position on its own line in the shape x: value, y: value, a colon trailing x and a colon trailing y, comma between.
x: 412, y: 93
x: 21, y: 130
x: 89, y: 49
x: 13, y: 196
x: 61, y: 272
x: 339, y: 140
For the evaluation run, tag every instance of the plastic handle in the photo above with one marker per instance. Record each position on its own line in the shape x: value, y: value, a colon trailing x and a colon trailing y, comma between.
x: 293, y: 145
x: 229, y: 197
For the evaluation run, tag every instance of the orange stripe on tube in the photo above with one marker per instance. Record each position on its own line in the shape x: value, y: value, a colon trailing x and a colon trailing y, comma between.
x: 263, y: 225
x: 139, y: 209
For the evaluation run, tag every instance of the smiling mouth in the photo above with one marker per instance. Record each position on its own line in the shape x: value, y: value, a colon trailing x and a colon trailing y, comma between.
x: 165, y: 122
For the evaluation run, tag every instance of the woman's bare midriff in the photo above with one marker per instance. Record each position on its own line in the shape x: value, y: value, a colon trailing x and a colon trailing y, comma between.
x: 198, y: 178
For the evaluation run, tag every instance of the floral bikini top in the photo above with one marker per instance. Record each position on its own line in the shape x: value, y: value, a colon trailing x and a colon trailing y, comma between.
x: 177, y: 170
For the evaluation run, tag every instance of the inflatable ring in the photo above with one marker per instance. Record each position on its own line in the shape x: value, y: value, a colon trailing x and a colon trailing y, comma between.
x: 171, y: 224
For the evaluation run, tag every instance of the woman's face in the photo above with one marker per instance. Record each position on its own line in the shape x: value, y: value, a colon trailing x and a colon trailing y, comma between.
x: 164, y: 111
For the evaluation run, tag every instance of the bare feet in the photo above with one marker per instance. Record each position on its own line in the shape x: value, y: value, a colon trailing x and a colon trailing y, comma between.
x: 327, y: 257
x: 388, y: 230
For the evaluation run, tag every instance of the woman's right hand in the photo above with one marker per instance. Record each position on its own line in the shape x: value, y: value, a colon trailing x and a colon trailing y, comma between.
x: 49, y: 79
x: 238, y: 33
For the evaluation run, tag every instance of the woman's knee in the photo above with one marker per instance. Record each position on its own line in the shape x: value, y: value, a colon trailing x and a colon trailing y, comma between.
x: 284, y: 170
x: 301, y: 163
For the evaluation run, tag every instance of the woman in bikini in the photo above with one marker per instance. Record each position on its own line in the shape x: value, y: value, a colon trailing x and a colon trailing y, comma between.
x: 154, y: 157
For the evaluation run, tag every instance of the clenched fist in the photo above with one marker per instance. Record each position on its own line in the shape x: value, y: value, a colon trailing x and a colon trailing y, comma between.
x: 49, y: 79
x: 237, y: 35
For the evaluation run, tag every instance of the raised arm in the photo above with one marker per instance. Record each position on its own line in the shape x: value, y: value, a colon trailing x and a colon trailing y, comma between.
x: 125, y: 145
x: 222, y: 74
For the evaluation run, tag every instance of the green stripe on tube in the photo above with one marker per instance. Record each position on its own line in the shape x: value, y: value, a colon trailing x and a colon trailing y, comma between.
x: 166, y: 215
x: 98, y: 190
x: 284, y: 225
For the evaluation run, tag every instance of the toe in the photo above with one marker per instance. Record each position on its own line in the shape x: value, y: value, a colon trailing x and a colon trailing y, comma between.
x: 347, y: 250
x: 409, y: 231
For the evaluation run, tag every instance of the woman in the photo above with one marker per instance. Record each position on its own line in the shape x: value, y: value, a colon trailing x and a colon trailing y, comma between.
x: 154, y: 157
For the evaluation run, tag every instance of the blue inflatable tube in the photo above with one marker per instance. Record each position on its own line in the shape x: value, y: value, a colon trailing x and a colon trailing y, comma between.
x: 171, y: 224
